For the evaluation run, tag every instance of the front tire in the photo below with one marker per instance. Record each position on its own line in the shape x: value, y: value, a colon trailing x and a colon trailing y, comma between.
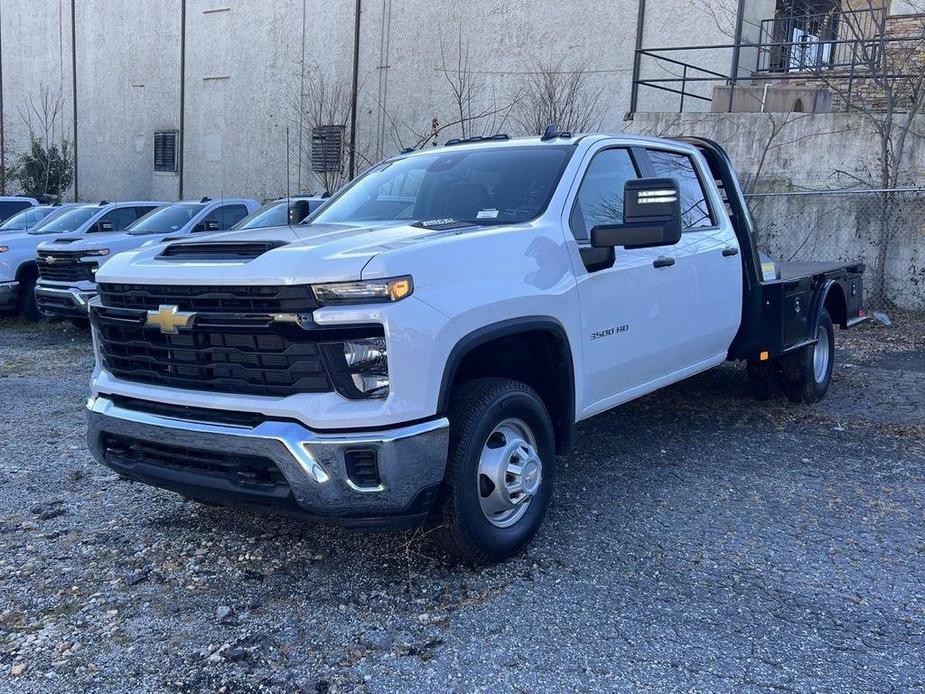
x: 28, y: 308
x: 806, y: 375
x: 500, y: 471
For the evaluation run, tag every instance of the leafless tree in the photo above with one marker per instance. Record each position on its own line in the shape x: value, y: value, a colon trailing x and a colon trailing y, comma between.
x: 556, y: 93
x: 470, y: 107
x: 322, y: 117
x: 42, y: 115
x: 47, y: 166
x: 465, y: 85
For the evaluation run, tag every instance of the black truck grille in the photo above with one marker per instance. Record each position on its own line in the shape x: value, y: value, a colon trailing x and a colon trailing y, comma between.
x: 248, y: 470
x: 296, y: 299
x: 64, y: 266
x: 240, y: 339
x: 269, y: 360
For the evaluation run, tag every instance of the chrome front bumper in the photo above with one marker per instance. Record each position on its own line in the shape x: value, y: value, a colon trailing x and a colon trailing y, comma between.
x: 411, y: 458
x: 65, y: 301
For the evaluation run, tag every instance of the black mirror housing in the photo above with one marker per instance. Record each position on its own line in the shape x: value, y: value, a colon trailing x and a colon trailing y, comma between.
x: 298, y: 210
x: 651, y: 216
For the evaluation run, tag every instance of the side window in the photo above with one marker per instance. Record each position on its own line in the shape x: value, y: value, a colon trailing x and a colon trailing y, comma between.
x: 695, y: 212
x: 142, y: 211
x: 600, y: 195
x: 119, y: 218
x: 229, y: 215
x: 222, y: 218
x: 10, y: 207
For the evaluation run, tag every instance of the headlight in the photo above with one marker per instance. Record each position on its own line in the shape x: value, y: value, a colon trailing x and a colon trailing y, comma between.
x: 95, y: 252
x: 364, y: 291
x: 4, y: 249
x: 365, y: 353
x: 359, y: 367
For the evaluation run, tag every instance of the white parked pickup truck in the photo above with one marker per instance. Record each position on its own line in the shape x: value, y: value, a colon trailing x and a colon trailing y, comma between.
x: 18, y: 268
x: 67, y: 265
x: 421, y: 350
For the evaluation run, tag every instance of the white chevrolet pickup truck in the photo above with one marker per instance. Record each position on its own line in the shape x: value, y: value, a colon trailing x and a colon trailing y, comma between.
x: 67, y: 265
x: 421, y: 350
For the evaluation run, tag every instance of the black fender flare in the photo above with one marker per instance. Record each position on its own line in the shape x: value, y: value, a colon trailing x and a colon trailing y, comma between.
x: 819, y: 299
x: 505, y: 328
x: 25, y: 268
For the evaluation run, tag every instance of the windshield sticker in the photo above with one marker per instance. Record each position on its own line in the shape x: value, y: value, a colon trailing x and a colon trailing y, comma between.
x: 487, y: 214
x: 428, y: 223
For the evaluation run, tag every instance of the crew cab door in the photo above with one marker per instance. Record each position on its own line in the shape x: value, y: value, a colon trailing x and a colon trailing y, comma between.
x: 708, y: 263
x: 630, y: 309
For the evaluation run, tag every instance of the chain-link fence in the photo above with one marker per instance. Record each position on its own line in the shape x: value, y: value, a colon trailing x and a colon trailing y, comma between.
x: 885, y: 229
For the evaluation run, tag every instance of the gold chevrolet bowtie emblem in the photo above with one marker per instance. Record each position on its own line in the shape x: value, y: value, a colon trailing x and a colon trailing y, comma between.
x: 170, y: 319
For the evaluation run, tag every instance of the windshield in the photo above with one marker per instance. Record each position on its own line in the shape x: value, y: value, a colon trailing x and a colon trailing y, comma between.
x: 166, y: 219
x: 271, y: 215
x: 502, y: 185
x: 68, y: 221
x: 26, y: 219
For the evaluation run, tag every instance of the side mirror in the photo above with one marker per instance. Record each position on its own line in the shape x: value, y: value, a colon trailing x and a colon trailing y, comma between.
x: 298, y: 211
x: 651, y: 216
x: 206, y: 225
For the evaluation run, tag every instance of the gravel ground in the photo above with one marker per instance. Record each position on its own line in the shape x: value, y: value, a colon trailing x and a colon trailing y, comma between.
x: 699, y: 540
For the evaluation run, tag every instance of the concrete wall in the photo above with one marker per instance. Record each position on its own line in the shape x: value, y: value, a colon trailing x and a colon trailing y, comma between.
x: 127, y: 88
x: 29, y: 64
x: 246, y: 59
x: 793, y: 154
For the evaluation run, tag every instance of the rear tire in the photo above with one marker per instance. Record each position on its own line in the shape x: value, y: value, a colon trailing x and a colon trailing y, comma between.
x: 806, y: 375
x: 500, y: 471
x: 27, y: 306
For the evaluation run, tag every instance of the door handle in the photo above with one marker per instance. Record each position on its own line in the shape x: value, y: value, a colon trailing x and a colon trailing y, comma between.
x: 730, y: 251
x: 663, y: 262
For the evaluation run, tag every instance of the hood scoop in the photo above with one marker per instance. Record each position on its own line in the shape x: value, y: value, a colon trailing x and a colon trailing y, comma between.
x: 219, y: 250
x: 65, y: 240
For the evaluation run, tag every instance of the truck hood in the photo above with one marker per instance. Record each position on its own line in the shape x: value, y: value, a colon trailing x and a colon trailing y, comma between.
x: 61, y: 242
x: 116, y: 242
x: 306, y: 253
x: 11, y: 238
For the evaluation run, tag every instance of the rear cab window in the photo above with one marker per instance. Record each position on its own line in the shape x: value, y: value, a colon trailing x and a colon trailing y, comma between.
x: 222, y: 218
x: 120, y: 218
x: 695, y: 208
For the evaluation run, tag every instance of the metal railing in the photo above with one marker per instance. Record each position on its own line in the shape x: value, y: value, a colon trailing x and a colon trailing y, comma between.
x: 848, y: 47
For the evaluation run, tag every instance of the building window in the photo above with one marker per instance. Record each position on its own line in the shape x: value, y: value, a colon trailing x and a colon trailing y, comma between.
x: 165, y: 150
x: 328, y: 148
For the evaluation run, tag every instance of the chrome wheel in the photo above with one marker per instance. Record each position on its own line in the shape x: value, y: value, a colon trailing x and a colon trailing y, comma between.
x: 510, y: 473
x: 821, y: 354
